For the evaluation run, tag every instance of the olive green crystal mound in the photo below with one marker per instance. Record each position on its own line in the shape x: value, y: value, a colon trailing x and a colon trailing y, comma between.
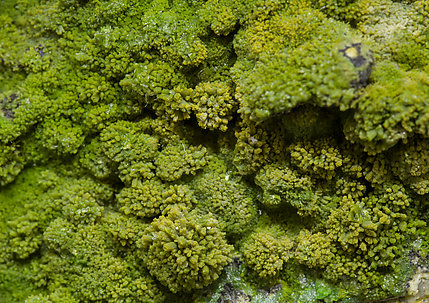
x: 185, y: 251
x: 213, y: 150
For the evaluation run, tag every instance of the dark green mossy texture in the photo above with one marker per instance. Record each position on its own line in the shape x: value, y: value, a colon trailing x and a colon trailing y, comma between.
x: 205, y: 150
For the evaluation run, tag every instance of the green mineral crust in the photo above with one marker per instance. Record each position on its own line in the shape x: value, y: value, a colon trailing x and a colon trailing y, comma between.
x: 214, y: 151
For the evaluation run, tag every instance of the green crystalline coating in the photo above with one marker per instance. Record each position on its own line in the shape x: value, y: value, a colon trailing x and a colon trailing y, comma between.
x: 285, y: 139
